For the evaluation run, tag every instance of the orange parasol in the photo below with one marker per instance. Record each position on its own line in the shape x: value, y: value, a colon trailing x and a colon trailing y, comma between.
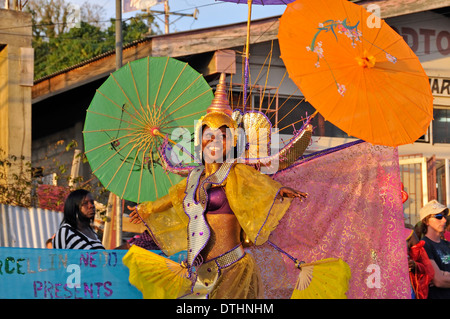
x: 360, y: 75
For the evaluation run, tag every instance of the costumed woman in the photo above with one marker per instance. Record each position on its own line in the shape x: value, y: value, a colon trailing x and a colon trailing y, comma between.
x: 208, y: 215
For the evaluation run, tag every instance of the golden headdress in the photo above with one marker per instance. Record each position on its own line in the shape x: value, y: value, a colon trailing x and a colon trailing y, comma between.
x: 218, y: 114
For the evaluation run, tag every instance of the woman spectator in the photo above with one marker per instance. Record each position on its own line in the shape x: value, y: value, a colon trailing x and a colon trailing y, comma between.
x: 75, y: 231
x: 433, y: 216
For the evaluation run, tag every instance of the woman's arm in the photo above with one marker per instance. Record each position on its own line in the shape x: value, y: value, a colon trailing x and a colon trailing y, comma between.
x: 291, y: 193
x: 145, y: 209
x: 441, y: 278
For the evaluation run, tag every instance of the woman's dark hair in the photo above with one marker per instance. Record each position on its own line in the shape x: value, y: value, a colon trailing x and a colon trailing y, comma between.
x: 419, y: 229
x: 423, y: 227
x: 72, y: 206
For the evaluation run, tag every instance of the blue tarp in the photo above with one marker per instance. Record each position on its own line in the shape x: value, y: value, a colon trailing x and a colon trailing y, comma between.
x: 35, y: 273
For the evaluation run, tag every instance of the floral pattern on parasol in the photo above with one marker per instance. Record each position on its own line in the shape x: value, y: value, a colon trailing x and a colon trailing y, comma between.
x: 135, y: 111
x: 363, y: 79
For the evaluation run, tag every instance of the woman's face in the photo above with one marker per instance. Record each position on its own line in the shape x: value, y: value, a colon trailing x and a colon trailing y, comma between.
x: 215, y: 144
x: 437, y: 223
x: 87, y: 207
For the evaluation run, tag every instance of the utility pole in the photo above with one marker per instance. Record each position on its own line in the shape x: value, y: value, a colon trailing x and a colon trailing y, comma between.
x: 166, y: 16
x: 118, y: 34
x: 114, y: 199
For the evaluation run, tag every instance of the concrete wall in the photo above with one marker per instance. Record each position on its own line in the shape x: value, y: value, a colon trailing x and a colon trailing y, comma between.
x: 16, y: 80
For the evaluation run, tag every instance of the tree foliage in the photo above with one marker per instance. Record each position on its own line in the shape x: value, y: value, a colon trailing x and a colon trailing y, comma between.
x: 57, y: 46
x: 14, y: 186
x: 23, y: 185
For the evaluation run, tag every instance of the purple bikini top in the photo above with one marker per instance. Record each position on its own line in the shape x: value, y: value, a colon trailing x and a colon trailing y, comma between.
x: 217, y: 201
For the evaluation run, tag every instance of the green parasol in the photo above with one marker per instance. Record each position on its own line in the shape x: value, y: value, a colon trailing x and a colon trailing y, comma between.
x: 132, y: 114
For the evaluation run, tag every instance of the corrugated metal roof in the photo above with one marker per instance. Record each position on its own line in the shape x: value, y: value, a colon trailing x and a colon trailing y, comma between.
x: 27, y: 227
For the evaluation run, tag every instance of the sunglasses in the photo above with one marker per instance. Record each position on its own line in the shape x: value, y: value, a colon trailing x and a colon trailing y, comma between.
x: 438, y: 216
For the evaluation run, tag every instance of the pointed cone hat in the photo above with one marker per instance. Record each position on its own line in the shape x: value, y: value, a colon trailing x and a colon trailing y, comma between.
x: 219, y: 112
x: 220, y: 102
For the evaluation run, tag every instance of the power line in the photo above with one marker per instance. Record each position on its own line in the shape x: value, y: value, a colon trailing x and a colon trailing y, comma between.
x: 167, y: 13
x: 112, y: 19
x: 204, y: 5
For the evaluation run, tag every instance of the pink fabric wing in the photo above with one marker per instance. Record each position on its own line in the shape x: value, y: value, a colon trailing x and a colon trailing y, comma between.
x: 354, y: 212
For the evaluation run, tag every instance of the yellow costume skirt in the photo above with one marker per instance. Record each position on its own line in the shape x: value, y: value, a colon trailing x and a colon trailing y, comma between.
x: 158, y: 277
x: 241, y: 280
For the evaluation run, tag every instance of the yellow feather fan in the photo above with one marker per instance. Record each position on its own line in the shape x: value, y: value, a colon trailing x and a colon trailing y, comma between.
x: 155, y: 276
x: 323, y: 279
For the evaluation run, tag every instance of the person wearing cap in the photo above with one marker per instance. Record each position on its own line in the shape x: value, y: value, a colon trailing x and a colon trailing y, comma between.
x: 434, y: 218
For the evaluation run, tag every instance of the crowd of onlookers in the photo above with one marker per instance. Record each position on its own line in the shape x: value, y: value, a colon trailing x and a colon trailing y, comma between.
x: 428, y: 242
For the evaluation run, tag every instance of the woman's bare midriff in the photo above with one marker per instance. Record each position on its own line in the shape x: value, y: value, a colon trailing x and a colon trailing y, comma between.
x: 225, y: 235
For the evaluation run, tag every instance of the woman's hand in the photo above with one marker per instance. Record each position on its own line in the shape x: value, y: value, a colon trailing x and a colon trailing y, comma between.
x: 411, y: 264
x: 291, y: 193
x: 141, y: 212
x: 134, y: 216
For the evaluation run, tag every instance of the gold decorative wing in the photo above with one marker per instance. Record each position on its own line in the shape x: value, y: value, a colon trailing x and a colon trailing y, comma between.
x: 258, y: 134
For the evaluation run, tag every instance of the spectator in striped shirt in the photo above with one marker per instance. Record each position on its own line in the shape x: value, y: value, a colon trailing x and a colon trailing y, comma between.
x: 75, y: 231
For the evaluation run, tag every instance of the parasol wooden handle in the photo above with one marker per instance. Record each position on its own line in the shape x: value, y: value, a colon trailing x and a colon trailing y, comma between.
x: 156, y: 132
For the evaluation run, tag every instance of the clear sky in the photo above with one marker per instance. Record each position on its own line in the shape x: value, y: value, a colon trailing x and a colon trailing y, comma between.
x: 211, y: 12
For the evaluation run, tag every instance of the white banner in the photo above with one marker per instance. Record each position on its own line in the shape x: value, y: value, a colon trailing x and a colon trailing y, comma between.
x: 134, y: 5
